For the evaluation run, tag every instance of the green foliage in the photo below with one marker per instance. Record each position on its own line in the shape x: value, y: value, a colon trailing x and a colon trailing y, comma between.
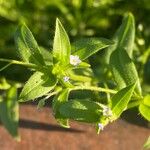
x: 38, y: 85
x: 120, y: 101
x: 144, y: 107
x: 81, y: 110
x: 124, y: 70
x: 9, y: 112
x: 58, y: 101
x: 63, y: 71
x: 41, y: 104
x: 147, y: 144
x: 27, y: 46
x: 61, y: 47
x: 124, y: 37
x: 86, y: 47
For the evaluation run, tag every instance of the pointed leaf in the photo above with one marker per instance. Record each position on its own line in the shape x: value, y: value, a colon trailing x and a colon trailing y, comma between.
x: 61, y: 47
x: 146, y: 100
x: 121, y: 100
x: 144, y: 108
x: 38, y: 85
x: 147, y: 144
x: 47, y: 56
x: 57, y: 102
x: 124, y: 37
x: 27, y: 46
x: 124, y: 70
x: 86, y: 47
x: 9, y: 112
x: 81, y: 110
x: 41, y: 103
x: 145, y: 111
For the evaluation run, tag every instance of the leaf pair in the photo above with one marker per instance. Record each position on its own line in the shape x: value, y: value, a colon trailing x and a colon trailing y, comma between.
x: 119, y: 55
x: 41, y: 82
x: 83, y: 48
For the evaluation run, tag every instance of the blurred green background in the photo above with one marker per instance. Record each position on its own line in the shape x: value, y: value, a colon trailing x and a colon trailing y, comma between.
x: 81, y: 18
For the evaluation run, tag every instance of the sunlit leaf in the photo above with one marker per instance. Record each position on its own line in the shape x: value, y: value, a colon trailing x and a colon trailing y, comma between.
x: 47, y: 56
x: 27, y: 46
x: 38, y: 85
x: 86, y: 47
x: 120, y: 101
x: 147, y: 144
x: 144, y: 107
x: 124, y: 70
x: 124, y: 37
x: 61, y: 46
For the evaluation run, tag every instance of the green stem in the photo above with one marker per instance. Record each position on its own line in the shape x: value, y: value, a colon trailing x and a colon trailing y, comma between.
x: 6, y: 66
x: 29, y: 65
x: 93, y: 88
x: 80, y: 78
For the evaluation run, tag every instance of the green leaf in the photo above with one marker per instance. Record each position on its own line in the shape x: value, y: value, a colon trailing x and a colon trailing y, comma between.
x: 124, y: 37
x: 146, y: 100
x: 86, y: 47
x: 38, y: 85
x: 61, y: 98
x: 27, y: 46
x: 61, y: 47
x: 47, y: 56
x: 145, y: 111
x: 144, y: 107
x: 124, y: 70
x: 120, y: 101
x: 41, y: 103
x: 147, y: 144
x: 9, y: 112
x: 81, y: 110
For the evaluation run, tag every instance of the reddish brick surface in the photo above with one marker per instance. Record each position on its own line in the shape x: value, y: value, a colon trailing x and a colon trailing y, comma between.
x: 39, y: 131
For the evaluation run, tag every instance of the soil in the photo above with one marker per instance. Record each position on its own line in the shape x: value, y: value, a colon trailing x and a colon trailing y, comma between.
x: 39, y: 131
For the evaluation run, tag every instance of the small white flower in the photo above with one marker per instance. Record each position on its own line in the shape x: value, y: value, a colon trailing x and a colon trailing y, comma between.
x: 101, y: 126
x: 107, y: 111
x: 74, y: 60
x: 140, y: 27
x: 66, y: 78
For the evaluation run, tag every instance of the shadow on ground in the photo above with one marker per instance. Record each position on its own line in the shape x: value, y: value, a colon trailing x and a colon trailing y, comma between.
x: 28, y: 124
